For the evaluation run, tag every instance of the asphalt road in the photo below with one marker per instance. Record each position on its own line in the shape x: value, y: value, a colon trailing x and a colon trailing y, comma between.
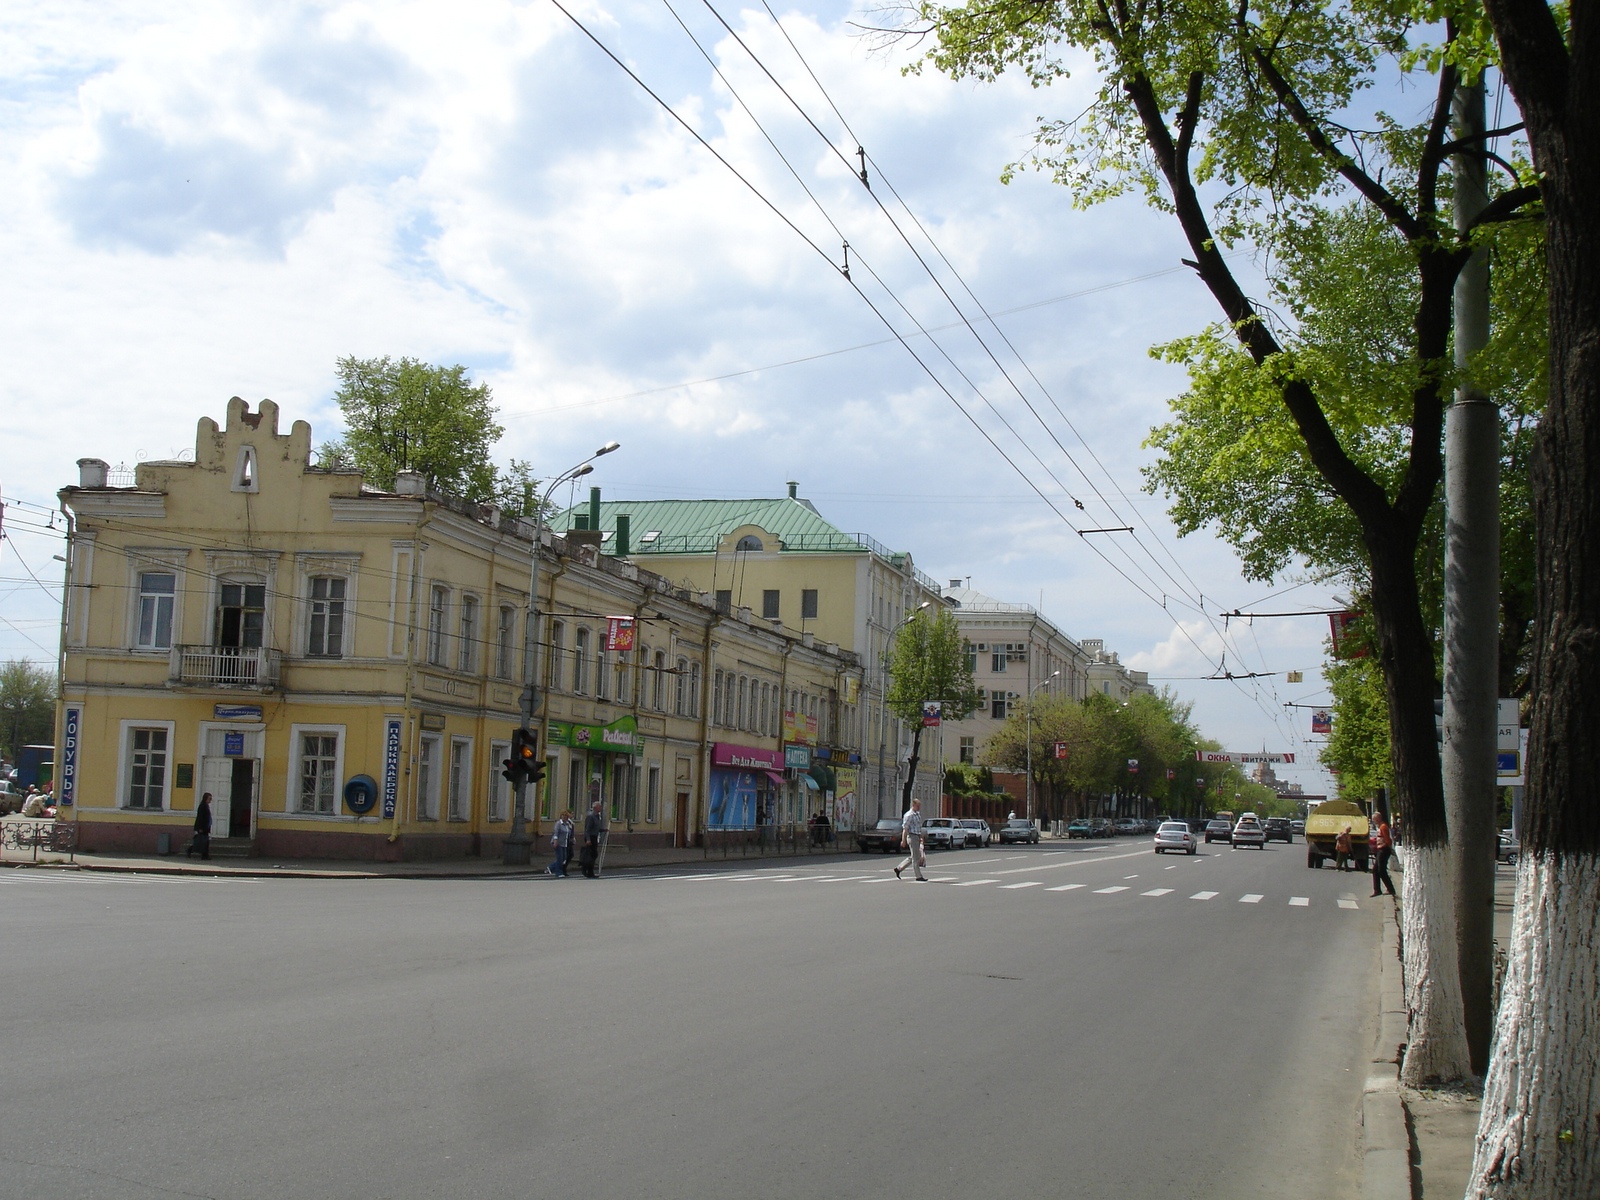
x: 1070, y: 1020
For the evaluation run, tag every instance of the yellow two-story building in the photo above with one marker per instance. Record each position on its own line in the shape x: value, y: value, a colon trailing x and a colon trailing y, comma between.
x: 341, y: 669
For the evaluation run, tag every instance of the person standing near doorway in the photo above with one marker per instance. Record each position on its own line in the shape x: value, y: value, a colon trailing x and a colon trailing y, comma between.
x: 1382, y: 848
x: 594, y: 827
x: 202, y: 829
x: 911, y: 839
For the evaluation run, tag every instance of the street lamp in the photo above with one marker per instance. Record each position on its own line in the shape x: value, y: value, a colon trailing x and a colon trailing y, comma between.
x: 883, y: 706
x: 517, y: 848
x: 1027, y: 783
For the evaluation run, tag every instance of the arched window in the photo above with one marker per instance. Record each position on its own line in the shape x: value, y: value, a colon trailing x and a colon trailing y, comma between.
x: 750, y: 542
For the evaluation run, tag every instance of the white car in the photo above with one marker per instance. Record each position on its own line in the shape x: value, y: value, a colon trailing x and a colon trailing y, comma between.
x: 943, y: 833
x: 978, y: 831
x: 1175, y: 835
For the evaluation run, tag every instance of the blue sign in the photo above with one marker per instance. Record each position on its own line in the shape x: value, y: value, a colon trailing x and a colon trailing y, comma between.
x: 1510, y: 762
x: 69, y: 759
x: 391, y: 767
x: 236, y: 712
x: 797, y: 756
x: 360, y: 794
x: 233, y: 743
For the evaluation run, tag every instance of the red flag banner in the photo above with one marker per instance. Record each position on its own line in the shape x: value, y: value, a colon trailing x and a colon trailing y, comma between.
x: 1343, y: 629
x: 619, y: 633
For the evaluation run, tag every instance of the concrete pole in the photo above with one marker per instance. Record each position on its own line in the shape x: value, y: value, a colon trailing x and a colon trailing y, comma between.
x: 1472, y: 607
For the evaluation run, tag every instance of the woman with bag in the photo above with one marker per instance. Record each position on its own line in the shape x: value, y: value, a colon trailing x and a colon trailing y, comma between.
x: 202, y: 830
x: 561, y: 839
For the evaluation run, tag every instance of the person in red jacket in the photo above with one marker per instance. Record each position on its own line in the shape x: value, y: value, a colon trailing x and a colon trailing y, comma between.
x: 1382, y: 850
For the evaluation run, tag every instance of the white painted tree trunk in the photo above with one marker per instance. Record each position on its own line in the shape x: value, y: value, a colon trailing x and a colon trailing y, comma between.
x: 1539, y: 1133
x: 1436, y: 1049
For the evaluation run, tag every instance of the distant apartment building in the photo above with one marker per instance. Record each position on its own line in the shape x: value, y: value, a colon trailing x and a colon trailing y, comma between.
x: 341, y: 669
x: 779, y: 564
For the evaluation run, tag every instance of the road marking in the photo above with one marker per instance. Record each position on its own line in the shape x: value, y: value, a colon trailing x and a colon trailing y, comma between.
x: 1007, y: 887
x: 882, y: 881
x: 1348, y: 902
x: 1070, y: 863
x: 1067, y: 887
x: 1171, y: 867
x: 1109, y: 890
x: 809, y: 879
x: 1251, y: 898
x: 943, y: 878
x: 1203, y: 896
x: 1156, y: 892
x: 1300, y: 901
x: 976, y: 882
x: 1130, y: 877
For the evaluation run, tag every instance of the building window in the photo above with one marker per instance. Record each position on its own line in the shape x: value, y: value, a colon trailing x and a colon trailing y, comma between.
x: 998, y: 705
x: 694, y: 689
x: 327, y: 617
x: 652, y: 796
x: 241, y: 615
x: 558, y: 647
x: 428, y: 780
x: 439, y: 600
x: 658, y: 688
x: 1002, y: 656
x: 147, y: 768
x: 724, y: 600
x: 769, y: 604
x: 547, y: 789
x: 580, y: 661
x: 971, y: 652
x: 467, y: 650
x: 157, y: 593
x: 624, y: 676
x: 505, y: 657
x: 744, y: 696
x: 319, y: 773
x: 969, y: 750
x: 602, y: 670
x: 575, y: 773
x: 716, y: 698
x: 460, y: 778
x: 499, y: 785
x: 808, y: 604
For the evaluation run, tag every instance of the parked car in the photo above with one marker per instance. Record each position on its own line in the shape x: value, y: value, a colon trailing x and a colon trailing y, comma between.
x: 943, y: 833
x: 978, y: 831
x: 1248, y: 832
x: 1127, y: 826
x: 1174, y: 835
x: 1018, y: 830
x: 1279, y: 830
x: 1509, y: 850
x: 884, y: 836
x: 1219, y: 830
x: 1081, y: 828
x: 1102, y: 827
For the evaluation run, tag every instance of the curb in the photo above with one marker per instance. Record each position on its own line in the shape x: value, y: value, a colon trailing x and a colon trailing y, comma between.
x: 1385, y: 1127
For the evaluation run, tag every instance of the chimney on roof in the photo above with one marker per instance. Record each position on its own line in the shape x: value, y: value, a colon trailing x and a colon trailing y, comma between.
x: 594, y: 508
x: 794, y: 488
x: 92, y: 472
x: 410, y: 483
x: 621, y: 548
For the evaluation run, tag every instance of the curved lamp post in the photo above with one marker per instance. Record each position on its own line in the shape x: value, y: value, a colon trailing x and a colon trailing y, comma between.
x: 517, y: 848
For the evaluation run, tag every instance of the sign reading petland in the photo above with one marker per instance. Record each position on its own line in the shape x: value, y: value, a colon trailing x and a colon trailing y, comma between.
x: 1234, y: 756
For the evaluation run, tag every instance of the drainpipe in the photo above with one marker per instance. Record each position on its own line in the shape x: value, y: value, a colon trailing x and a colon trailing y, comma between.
x: 634, y: 753
x: 61, y: 687
x: 705, y: 729
x: 408, y: 731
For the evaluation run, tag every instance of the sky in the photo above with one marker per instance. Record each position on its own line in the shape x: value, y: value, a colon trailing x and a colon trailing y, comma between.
x: 223, y: 198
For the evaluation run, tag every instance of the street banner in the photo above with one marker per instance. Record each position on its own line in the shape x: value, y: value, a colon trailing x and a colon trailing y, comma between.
x: 1133, y: 766
x: 1321, y: 722
x: 1171, y: 774
x: 931, y: 711
x: 1061, y: 749
x: 1234, y: 756
x: 1342, y: 625
x: 619, y: 633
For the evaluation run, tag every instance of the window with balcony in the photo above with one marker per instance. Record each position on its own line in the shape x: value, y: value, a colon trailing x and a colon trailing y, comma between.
x: 157, y: 593
x: 319, y: 773
x: 147, y: 768
x: 241, y: 615
x: 326, y: 631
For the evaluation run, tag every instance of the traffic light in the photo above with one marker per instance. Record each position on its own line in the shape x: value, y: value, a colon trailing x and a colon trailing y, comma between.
x: 523, y: 766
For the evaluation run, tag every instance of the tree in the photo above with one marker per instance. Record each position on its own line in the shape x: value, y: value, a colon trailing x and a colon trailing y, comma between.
x: 27, y: 706
x: 1538, y: 1134
x: 928, y: 664
x: 1235, y: 118
x: 408, y: 415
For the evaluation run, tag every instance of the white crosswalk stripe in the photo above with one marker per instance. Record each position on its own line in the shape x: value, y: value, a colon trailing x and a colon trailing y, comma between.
x: 1067, y: 887
x: 1203, y: 896
x: 1251, y: 898
x: 976, y: 882
x: 1348, y: 902
x: 1156, y: 892
x: 1300, y: 901
x: 1008, y: 887
x: 1109, y: 890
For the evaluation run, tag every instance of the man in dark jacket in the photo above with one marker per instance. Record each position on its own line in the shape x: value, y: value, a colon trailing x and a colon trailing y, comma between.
x: 202, y: 829
x: 594, y: 827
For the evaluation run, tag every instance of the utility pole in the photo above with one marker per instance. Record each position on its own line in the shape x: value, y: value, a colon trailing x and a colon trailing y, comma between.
x: 1472, y: 602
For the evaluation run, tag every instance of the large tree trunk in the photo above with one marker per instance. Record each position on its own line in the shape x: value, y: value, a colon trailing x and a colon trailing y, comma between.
x: 1539, y: 1134
x: 1436, y: 1050
x: 911, y: 766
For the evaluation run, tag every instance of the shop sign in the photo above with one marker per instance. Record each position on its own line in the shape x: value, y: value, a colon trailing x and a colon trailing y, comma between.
x: 726, y: 754
x: 69, y: 758
x: 799, y: 727
x: 798, y: 757
x: 621, y: 736
x: 391, y: 766
x: 233, y: 743
x: 236, y: 712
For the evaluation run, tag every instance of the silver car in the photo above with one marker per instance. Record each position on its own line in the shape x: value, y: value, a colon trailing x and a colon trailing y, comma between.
x: 1174, y: 835
x: 1248, y: 832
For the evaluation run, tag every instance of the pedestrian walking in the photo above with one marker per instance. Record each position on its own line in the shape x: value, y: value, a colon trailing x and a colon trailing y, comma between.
x: 1383, y: 848
x: 565, y: 832
x: 202, y: 830
x: 911, y: 839
x: 594, y: 828
x: 1341, y: 850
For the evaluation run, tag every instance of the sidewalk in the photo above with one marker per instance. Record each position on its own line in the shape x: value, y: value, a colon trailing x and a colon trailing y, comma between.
x: 618, y: 858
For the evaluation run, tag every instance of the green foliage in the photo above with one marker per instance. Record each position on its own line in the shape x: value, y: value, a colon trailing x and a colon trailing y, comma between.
x: 966, y: 779
x: 927, y: 662
x: 27, y: 706
x: 1358, y: 746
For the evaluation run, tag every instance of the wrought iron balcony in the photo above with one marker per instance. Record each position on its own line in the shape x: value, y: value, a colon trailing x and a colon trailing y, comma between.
x: 225, y: 666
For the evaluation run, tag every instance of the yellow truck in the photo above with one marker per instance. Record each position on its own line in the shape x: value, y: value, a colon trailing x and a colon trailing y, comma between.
x: 1327, y: 821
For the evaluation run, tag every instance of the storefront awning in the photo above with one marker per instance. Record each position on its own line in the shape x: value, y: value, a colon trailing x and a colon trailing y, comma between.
x: 810, y: 782
x: 775, y: 776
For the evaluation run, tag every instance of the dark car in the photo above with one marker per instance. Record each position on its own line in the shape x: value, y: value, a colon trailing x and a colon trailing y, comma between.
x: 1219, y: 831
x: 1279, y: 829
x: 884, y: 836
x: 1018, y: 830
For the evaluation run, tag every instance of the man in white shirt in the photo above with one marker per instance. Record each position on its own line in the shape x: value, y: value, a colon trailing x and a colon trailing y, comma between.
x: 911, y: 839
